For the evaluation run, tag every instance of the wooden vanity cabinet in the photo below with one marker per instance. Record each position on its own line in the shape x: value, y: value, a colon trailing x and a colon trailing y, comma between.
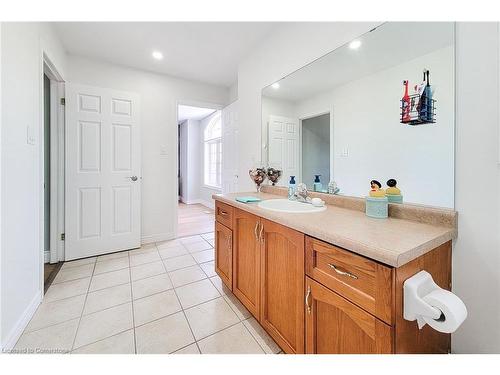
x: 246, y: 260
x: 224, y: 254
x: 282, y: 285
x: 336, y: 326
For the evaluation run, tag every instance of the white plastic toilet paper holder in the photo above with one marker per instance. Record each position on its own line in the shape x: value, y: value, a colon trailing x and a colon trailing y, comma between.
x: 414, y: 289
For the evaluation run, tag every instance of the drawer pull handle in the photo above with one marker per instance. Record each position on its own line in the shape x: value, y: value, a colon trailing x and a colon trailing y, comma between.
x: 308, y: 294
x: 222, y: 212
x: 260, y: 233
x: 340, y: 272
x: 255, y: 231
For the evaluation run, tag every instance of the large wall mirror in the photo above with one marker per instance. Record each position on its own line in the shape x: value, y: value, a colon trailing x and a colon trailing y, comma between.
x: 340, y: 117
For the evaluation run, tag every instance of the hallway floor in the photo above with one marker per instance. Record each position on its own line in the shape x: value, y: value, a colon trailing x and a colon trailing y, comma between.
x: 194, y: 219
x: 161, y: 298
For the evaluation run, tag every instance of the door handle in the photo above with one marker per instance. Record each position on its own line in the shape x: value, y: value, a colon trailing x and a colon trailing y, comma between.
x: 255, y: 231
x: 133, y: 178
x: 308, y: 294
x: 260, y: 233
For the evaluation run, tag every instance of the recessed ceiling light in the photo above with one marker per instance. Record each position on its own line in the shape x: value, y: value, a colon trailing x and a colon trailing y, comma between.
x: 355, y: 44
x: 275, y: 85
x: 157, y: 55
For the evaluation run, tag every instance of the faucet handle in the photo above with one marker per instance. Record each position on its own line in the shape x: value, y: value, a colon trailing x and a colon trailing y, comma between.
x: 302, y: 189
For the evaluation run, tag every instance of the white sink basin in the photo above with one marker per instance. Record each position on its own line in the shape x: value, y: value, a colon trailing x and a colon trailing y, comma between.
x: 286, y: 205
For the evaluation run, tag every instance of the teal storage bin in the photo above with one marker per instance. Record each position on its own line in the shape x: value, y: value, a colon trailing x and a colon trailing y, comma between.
x: 395, y: 198
x: 377, y: 207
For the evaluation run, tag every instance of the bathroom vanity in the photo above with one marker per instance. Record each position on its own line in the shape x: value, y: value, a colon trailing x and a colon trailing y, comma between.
x: 332, y: 281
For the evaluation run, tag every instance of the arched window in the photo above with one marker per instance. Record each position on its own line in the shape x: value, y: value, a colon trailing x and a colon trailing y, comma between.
x: 212, y: 137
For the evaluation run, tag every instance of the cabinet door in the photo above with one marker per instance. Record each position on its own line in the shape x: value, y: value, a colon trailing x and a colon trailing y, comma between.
x: 336, y: 326
x: 282, y: 285
x: 224, y: 254
x: 246, y: 260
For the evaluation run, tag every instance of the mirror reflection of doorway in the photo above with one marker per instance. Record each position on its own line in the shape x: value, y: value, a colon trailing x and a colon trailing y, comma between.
x: 316, y: 150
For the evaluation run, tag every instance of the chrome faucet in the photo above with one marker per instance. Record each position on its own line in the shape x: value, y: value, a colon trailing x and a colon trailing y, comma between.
x: 301, y: 194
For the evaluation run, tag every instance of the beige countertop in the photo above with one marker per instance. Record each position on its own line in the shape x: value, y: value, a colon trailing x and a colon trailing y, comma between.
x: 392, y: 241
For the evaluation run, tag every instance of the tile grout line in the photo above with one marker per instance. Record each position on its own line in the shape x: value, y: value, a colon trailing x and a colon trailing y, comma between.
x: 183, y: 313
x: 132, y: 302
x: 83, y: 308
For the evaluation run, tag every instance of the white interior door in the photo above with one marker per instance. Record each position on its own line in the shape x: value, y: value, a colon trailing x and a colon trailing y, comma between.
x: 229, y: 148
x: 102, y: 169
x: 284, y: 146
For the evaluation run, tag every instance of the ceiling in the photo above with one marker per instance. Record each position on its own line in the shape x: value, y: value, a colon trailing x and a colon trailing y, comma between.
x: 186, y: 112
x: 207, y: 52
x: 388, y: 45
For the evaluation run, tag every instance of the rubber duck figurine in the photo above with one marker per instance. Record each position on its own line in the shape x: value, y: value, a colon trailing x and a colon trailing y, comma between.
x: 376, y: 189
x: 392, y: 189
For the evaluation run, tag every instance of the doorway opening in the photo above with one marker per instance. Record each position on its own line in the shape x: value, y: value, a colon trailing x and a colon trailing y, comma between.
x: 315, y: 150
x: 199, y: 167
x: 52, y: 162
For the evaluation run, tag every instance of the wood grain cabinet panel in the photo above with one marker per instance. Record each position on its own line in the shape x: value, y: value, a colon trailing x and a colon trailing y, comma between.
x: 224, y: 254
x: 282, y: 285
x: 246, y: 260
x: 336, y: 326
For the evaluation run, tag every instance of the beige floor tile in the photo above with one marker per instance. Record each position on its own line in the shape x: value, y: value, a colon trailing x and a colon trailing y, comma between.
x: 119, y: 254
x: 265, y: 341
x: 165, y: 335
x: 221, y: 287
x: 240, y: 310
x: 109, y: 279
x: 168, y: 244
x: 147, y: 270
x: 74, y: 273
x: 49, y: 313
x: 191, y: 239
x: 67, y: 289
x: 211, y: 242
x: 143, y: 249
x: 204, y: 256
x: 194, y: 247
x: 177, y: 263
x: 190, y: 349
x: 210, y: 317
x: 122, y: 343
x: 77, y: 263
x: 209, y: 268
x: 155, y: 306
x: 208, y: 236
x: 187, y: 275
x: 103, y: 324
x: 149, y: 257
x: 196, y: 293
x: 106, y: 298
x: 232, y: 340
x: 151, y: 285
x: 55, y: 339
x: 171, y: 252
x: 111, y: 265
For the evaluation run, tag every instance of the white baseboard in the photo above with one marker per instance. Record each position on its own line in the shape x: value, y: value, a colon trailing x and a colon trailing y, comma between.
x: 21, y: 324
x: 46, y: 256
x: 157, y: 238
x: 192, y: 201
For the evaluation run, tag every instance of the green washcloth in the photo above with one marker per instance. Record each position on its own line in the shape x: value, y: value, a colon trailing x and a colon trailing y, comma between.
x: 248, y: 199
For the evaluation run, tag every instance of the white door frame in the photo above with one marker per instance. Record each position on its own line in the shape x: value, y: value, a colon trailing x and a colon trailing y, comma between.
x: 175, y: 196
x: 56, y: 162
x: 309, y: 115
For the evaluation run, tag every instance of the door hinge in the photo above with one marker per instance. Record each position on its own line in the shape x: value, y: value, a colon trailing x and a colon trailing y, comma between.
x: 63, y: 101
x: 63, y: 236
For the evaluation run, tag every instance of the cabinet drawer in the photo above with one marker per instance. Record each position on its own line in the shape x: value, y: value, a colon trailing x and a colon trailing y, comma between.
x: 224, y: 214
x: 365, y: 282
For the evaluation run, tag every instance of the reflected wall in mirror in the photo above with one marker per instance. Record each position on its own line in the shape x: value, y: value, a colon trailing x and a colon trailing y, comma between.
x: 340, y: 116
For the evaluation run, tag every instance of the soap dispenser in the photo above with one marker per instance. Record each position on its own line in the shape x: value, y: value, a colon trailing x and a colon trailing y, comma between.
x: 291, y: 187
x: 317, y: 183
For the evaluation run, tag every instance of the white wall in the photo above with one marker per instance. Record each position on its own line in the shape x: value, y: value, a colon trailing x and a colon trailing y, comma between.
x: 476, y: 255
x: 192, y: 168
x: 22, y: 174
x: 288, y: 48
x: 366, y: 122
x: 316, y: 150
x: 159, y: 97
